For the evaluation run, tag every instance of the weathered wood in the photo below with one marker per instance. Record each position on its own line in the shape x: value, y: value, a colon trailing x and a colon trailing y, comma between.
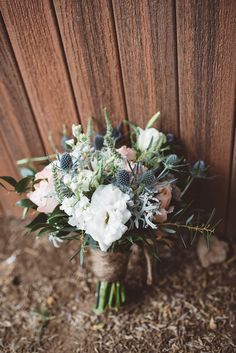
x: 34, y: 37
x: 147, y: 46
x: 8, y: 199
x: 17, y: 124
x: 206, y: 66
x: 231, y: 226
x: 89, y: 40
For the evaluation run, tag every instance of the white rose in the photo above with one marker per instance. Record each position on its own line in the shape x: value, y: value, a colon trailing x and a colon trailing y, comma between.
x: 107, y: 215
x: 148, y: 138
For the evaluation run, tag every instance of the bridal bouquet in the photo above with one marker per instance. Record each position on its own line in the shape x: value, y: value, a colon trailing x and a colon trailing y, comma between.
x: 109, y: 196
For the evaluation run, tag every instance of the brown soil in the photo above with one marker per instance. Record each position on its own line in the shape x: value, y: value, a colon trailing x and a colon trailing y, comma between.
x: 46, y: 304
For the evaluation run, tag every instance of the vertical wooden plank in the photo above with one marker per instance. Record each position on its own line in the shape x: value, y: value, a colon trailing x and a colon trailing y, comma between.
x: 89, y: 40
x: 231, y: 225
x: 8, y: 199
x: 17, y: 124
x: 147, y: 46
x: 36, y: 44
x: 206, y: 65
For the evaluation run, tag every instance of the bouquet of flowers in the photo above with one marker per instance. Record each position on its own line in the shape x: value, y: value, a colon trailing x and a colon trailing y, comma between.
x: 108, y: 196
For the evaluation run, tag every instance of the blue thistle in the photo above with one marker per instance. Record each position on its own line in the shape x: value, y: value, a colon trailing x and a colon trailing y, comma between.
x: 122, y: 178
x: 148, y: 178
x: 170, y: 138
x: 66, y: 161
x: 98, y: 142
x: 199, y: 169
x: 199, y: 165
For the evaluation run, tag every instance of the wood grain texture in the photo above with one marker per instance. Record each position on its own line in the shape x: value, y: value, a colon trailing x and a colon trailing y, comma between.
x: 147, y: 46
x: 34, y: 37
x: 231, y: 226
x: 87, y: 30
x: 206, y: 65
x: 17, y: 125
x: 8, y: 199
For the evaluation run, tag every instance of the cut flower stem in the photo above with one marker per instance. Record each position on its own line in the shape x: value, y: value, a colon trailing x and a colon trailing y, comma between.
x: 110, y: 295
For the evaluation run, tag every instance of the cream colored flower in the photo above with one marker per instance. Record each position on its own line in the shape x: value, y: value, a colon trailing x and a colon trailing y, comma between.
x: 148, y: 138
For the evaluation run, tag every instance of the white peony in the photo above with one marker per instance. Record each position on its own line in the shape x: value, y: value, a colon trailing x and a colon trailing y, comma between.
x: 148, y: 138
x: 107, y: 215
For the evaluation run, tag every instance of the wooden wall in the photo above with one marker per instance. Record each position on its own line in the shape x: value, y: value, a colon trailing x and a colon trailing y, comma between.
x: 62, y: 61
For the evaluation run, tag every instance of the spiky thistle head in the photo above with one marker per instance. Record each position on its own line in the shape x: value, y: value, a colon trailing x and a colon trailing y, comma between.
x: 98, y: 142
x: 66, y: 161
x: 148, y: 178
x: 122, y: 178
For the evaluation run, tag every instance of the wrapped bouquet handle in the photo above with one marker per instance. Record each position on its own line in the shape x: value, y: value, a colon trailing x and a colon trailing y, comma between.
x: 110, y: 269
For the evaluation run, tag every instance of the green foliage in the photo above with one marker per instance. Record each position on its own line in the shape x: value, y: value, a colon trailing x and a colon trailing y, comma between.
x: 153, y: 120
x: 26, y: 203
x: 89, y: 128
x: 23, y: 184
x: 11, y: 181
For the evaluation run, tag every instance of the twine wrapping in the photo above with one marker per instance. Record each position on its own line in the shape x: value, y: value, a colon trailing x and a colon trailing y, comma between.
x: 109, y: 267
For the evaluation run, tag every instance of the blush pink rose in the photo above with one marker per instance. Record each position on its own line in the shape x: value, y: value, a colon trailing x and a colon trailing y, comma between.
x: 44, y: 195
x: 162, y: 216
x: 164, y: 196
x: 127, y: 152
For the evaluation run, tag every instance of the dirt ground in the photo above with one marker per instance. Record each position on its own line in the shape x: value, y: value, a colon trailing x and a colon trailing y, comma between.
x: 45, y: 303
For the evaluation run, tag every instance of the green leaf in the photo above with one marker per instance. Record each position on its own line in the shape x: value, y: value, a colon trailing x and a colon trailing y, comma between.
x: 26, y: 203
x: 38, y: 226
x: 39, y: 219
x: 56, y: 218
x: 153, y: 120
x: 189, y: 219
x: 168, y: 230
x: 22, y: 185
x: 9, y: 180
x: 25, y: 211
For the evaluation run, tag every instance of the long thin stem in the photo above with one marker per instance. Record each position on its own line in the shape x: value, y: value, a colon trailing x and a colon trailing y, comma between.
x: 200, y: 229
x: 35, y: 159
x: 117, y: 295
